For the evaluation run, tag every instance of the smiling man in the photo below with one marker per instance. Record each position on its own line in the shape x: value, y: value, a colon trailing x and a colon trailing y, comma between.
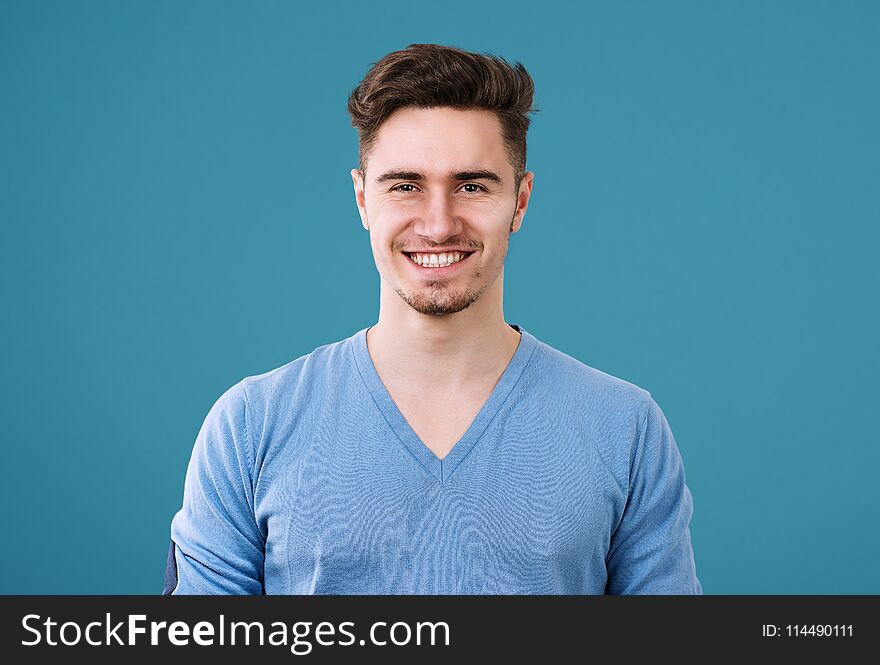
x: 441, y: 450
x: 440, y: 202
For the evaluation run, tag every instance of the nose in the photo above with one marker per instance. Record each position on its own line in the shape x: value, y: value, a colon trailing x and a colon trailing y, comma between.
x: 438, y: 220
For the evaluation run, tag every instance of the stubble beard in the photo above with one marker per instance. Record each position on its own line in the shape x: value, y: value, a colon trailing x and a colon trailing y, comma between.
x: 437, y: 298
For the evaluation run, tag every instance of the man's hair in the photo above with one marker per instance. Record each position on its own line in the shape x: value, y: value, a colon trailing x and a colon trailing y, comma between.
x: 432, y: 75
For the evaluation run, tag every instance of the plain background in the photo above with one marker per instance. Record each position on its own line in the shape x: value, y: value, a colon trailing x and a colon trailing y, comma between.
x: 177, y: 214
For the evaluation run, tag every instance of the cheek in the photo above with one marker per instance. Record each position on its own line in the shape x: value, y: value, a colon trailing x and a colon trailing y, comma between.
x: 383, y: 255
x: 377, y: 249
x: 389, y: 220
x: 396, y: 218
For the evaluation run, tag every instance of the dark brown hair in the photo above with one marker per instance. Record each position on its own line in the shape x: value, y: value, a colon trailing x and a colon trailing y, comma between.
x: 431, y: 75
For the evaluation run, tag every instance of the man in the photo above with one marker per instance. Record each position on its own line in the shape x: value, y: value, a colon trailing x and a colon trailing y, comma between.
x: 441, y: 450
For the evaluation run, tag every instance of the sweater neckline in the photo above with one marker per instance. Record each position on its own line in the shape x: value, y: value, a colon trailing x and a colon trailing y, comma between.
x: 441, y: 469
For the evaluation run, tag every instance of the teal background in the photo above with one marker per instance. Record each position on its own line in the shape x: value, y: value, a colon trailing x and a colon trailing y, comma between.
x: 177, y: 214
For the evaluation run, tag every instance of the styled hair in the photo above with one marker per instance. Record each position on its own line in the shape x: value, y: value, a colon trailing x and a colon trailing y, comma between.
x: 432, y: 75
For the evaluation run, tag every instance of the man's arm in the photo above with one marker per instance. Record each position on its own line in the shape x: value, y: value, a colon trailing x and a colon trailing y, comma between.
x: 650, y: 551
x: 216, y: 546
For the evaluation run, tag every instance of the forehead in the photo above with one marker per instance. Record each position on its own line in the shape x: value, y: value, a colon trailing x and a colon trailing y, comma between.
x: 439, y: 140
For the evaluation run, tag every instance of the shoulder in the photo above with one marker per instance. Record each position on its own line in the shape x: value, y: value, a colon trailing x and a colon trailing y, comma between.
x: 606, y: 397
x: 284, y: 392
x: 602, y: 411
x: 623, y: 419
x: 308, y: 370
x: 270, y: 401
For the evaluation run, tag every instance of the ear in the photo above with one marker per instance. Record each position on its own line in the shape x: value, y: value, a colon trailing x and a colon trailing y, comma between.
x: 522, y: 200
x: 357, y: 178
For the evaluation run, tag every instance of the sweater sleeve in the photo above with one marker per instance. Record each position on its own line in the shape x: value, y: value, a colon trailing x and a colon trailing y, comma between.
x: 650, y: 551
x: 216, y: 545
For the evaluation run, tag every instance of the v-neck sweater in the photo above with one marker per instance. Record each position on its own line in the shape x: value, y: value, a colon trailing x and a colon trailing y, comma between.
x: 308, y: 479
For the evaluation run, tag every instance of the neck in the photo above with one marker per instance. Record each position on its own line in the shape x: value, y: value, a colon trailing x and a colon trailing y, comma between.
x: 427, y: 354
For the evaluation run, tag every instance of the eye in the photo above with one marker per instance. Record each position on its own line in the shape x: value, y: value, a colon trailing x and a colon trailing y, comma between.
x: 408, y: 188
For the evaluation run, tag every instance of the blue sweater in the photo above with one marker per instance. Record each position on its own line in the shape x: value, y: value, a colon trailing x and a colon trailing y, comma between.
x: 308, y: 480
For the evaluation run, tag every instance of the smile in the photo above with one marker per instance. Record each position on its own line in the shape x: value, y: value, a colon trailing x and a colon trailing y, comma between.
x: 437, y: 261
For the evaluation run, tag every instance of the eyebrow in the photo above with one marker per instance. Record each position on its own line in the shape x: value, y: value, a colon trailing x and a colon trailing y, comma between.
x: 476, y: 174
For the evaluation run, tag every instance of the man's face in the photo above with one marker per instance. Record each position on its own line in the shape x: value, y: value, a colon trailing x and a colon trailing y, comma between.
x: 439, y: 181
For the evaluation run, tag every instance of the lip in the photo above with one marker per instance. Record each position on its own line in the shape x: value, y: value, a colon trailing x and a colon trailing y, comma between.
x: 438, y: 251
x: 438, y: 272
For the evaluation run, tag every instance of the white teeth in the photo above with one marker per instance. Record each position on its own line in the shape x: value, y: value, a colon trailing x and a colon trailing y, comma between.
x: 437, y: 260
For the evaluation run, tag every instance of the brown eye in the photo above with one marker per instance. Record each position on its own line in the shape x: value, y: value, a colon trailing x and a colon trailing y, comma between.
x: 479, y: 188
x: 400, y: 188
